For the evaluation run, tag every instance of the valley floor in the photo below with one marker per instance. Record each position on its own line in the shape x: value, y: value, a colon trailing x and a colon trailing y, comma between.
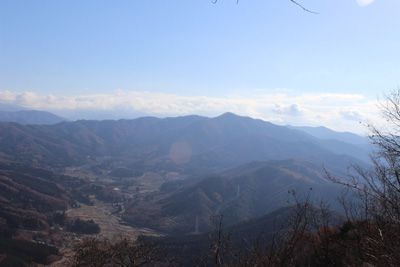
x: 111, y: 227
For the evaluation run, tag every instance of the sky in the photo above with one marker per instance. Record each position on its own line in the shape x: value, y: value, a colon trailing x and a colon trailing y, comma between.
x: 265, y: 59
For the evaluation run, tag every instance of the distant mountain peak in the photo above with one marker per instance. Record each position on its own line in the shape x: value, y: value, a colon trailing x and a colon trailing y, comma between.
x: 323, y: 132
x: 10, y: 107
x: 30, y: 117
x: 227, y: 114
x: 231, y: 115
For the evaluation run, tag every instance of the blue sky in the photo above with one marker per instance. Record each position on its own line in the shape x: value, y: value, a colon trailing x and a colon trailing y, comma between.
x: 179, y: 49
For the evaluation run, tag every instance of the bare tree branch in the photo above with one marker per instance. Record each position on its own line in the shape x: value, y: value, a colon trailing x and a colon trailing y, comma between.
x: 293, y: 1
x: 303, y: 7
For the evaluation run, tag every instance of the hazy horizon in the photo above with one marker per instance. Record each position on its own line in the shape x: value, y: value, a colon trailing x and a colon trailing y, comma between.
x: 268, y: 60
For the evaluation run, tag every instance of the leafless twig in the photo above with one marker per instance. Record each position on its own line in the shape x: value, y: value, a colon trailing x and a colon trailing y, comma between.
x: 293, y: 1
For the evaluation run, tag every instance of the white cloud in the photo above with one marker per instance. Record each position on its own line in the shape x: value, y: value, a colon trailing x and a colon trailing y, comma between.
x: 291, y: 110
x: 364, y: 2
x: 337, y: 111
x: 351, y: 115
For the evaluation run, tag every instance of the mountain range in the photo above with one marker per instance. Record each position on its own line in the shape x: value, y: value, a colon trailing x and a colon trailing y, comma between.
x: 190, y: 142
x: 167, y: 174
